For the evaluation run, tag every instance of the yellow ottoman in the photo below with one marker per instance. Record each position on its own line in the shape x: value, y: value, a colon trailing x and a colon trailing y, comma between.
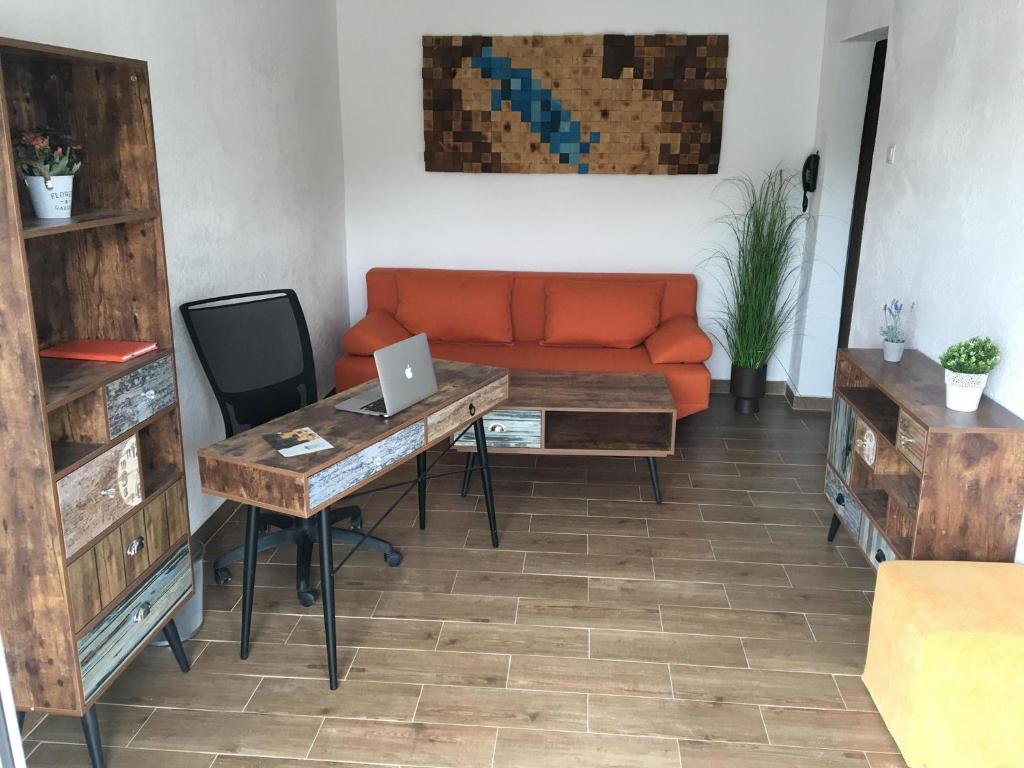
x: 945, y: 662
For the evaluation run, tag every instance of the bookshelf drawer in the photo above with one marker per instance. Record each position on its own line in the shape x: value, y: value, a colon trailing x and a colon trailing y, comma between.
x: 140, y: 394
x: 508, y: 429
x: 874, y: 546
x: 98, y: 494
x: 464, y: 411
x: 910, y: 440
x: 105, y: 647
x: 845, y: 505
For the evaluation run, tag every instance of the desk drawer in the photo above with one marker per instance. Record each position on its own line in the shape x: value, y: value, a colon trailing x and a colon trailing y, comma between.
x: 462, y: 412
x: 910, y: 440
x: 349, y: 472
x: 842, y: 501
x: 508, y: 429
x: 98, y: 494
x: 105, y: 647
x: 138, y: 395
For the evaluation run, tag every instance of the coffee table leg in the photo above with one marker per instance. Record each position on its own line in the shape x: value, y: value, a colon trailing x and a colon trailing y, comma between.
x: 652, y: 465
x: 485, y: 478
x: 421, y: 488
x: 327, y: 596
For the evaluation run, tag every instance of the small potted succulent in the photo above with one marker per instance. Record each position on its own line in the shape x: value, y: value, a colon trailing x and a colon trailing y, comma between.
x: 48, y: 161
x: 968, y: 364
x: 893, y: 335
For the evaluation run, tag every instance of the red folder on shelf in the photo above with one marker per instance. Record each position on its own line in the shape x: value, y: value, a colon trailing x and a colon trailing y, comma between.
x: 100, y: 349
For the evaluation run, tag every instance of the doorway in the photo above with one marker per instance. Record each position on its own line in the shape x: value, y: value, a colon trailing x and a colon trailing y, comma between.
x: 860, y: 193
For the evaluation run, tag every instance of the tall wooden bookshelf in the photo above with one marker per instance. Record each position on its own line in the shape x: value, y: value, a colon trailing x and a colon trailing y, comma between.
x: 94, y: 553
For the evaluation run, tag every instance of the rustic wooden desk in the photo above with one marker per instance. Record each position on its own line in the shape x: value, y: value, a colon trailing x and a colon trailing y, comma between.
x: 245, y: 468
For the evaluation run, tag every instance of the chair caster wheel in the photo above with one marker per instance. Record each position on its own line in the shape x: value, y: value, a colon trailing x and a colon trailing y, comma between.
x: 357, y: 522
x: 308, y: 597
x: 222, y: 575
x: 393, y: 558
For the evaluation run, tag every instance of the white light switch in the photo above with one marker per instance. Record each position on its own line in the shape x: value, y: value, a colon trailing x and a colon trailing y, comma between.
x: 890, y: 155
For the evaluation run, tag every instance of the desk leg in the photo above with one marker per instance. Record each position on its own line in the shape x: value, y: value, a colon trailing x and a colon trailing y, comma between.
x: 421, y: 487
x: 249, y: 575
x: 468, y: 474
x: 327, y: 596
x: 485, y: 478
x: 652, y: 465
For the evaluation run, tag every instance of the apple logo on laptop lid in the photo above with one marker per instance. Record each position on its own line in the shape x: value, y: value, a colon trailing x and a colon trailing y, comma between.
x: 408, y: 371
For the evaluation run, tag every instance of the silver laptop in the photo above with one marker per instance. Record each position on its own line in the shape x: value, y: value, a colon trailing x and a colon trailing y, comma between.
x: 406, y: 373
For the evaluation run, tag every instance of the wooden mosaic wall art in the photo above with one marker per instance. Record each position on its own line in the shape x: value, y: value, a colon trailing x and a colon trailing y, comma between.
x: 642, y: 104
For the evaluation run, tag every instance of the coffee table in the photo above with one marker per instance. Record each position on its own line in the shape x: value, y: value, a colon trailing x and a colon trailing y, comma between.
x: 584, y: 414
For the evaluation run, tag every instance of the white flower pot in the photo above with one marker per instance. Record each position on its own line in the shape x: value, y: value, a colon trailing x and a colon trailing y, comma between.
x: 51, y: 199
x: 963, y: 390
x: 892, y: 351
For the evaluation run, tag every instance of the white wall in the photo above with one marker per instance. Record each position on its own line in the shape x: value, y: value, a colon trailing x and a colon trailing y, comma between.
x: 246, y: 115
x: 944, y: 224
x: 399, y: 215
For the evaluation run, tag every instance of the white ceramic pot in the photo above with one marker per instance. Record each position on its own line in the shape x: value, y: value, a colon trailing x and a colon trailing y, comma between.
x: 51, y: 197
x: 963, y: 390
x: 892, y: 351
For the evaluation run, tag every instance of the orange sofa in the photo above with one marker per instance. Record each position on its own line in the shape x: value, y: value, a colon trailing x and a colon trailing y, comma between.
x: 538, y: 321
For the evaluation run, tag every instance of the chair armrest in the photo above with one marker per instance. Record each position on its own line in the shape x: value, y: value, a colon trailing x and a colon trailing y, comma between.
x: 376, y: 330
x: 678, y: 340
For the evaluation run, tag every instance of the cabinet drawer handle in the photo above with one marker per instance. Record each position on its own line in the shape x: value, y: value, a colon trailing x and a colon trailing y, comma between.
x: 108, y: 493
x: 141, y: 612
x: 496, y: 428
x: 880, y: 556
x: 135, y: 546
x: 840, y: 500
x: 472, y: 409
x: 149, y: 394
x: 904, y: 440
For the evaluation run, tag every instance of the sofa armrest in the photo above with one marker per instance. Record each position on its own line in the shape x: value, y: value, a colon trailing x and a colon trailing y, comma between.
x: 376, y: 330
x: 678, y: 340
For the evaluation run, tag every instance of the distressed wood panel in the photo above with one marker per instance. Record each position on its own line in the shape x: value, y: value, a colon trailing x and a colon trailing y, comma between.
x: 467, y: 409
x: 840, y: 441
x: 844, y: 503
x: 109, y: 552
x: 157, y: 536
x: 135, y: 547
x: 177, y: 512
x: 508, y: 428
x: 140, y: 394
x: 910, y: 439
x: 86, y: 600
x: 97, y: 495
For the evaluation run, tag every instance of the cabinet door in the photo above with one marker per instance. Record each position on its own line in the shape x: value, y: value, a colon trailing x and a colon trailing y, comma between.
x: 840, y: 439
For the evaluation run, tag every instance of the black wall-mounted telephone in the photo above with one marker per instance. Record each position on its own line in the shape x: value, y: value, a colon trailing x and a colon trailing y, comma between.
x: 809, y: 175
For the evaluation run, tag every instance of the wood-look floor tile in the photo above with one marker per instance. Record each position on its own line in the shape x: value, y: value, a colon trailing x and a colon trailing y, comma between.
x: 666, y: 647
x: 160, y: 659
x: 645, y: 509
x: 643, y: 592
x: 856, y: 579
x: 567, y: 613
x: 117, y: 725
x: 638, y: 546
x: 406, y: 605
x: 703, y: 754
x: 805, y: 553
x: 598, y: 463
x: 429, y: 667
x: 385, y: 578
x: 854, y: 557
x: 350, y: 602
x: 497, y: 560
x: 195, y: 690
x: 806, y: 534
x: 736, y: 623
x: 711, y: 721
x: 228, y: 732
x: 616, y: 566
x: 769, y: 515
x: 813, y: 458
x: 443, y: 746
x: 353, y: 698
x: 235, y: 761
x: 628, y: 678
x: 799, y: 600
x: 676, y: 465
x: 798, y: 500
x: 755, y: 686
x: 523, y: 584
x: 217, y: 598
x: 524, y: 541
x: 465, y: 521
x: 763, y: 456
x: 518, y: 748
x: 226, y: 626
x: 698, y: 496
x: 270, y: 660
x: 855, y: 693
x: 834, y: 628
x: 883, y: 760
x: 587, y: 491
x: 371, y: 633
x: 682, y: 529
x: 77, y: 756
x: 828, y: 729
x: 503, y: 707
x: 514, y: 638
x: 831, y: 658
x: 608, y: 526
x: 722, y: 482
x: 794, y: 471
x: 520, y: 505
x: 720, y: 572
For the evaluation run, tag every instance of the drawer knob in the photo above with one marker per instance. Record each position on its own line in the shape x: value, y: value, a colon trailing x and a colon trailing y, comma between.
x: 141, y: 612
x: 840, y: 499
x: 496, y: 428
x: 108, y: 493
x: 135, y: 546
x: 472, y: 409
x: 149, y: 394
x: 880, y: 556
x: 904, y: 440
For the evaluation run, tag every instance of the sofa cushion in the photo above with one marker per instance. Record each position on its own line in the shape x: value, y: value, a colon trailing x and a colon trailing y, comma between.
x: 378, y: 329
x: 678, y: 340
x: 457, y: 307
x: 601, y: 314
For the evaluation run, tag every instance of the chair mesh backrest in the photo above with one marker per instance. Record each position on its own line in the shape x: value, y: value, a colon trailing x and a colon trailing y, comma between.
x: 255, y: 350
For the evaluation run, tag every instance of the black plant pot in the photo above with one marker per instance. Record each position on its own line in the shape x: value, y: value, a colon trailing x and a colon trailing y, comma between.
x: 747, y: 385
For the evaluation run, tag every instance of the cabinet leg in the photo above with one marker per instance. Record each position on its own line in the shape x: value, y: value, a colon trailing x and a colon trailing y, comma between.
x: 467, y: 477
x: 174, y: 640
x: 421, y: 488
x: 249, y: 576
x: 652, y: 466
x: 485, y: 478
x: 327, y: 597
x: 833, y: 527
x: 91, y: 728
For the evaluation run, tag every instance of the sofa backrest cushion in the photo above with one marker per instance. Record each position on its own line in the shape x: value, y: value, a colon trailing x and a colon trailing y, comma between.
x: 609, y: 313
x: 460, y: 307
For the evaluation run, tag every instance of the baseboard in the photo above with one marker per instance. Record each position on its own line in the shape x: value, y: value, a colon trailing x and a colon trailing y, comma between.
x: 216, y: 520
x: 802, y: 403
x: 721, y: 386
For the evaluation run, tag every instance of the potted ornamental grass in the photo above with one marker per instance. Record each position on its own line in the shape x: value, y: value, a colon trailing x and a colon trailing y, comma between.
x: 760, y: 267
x: 968, y: 364
x: 893, y: 336
x: 48, y: 161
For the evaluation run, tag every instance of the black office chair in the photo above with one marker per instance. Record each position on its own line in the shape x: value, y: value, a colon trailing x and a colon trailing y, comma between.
x: 255, y: 351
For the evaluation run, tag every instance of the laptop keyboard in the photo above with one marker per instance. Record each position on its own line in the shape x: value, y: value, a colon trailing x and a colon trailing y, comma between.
x: 377, y: 406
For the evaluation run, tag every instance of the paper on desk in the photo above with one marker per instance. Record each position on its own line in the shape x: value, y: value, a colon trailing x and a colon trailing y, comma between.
x: 296, y: 442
